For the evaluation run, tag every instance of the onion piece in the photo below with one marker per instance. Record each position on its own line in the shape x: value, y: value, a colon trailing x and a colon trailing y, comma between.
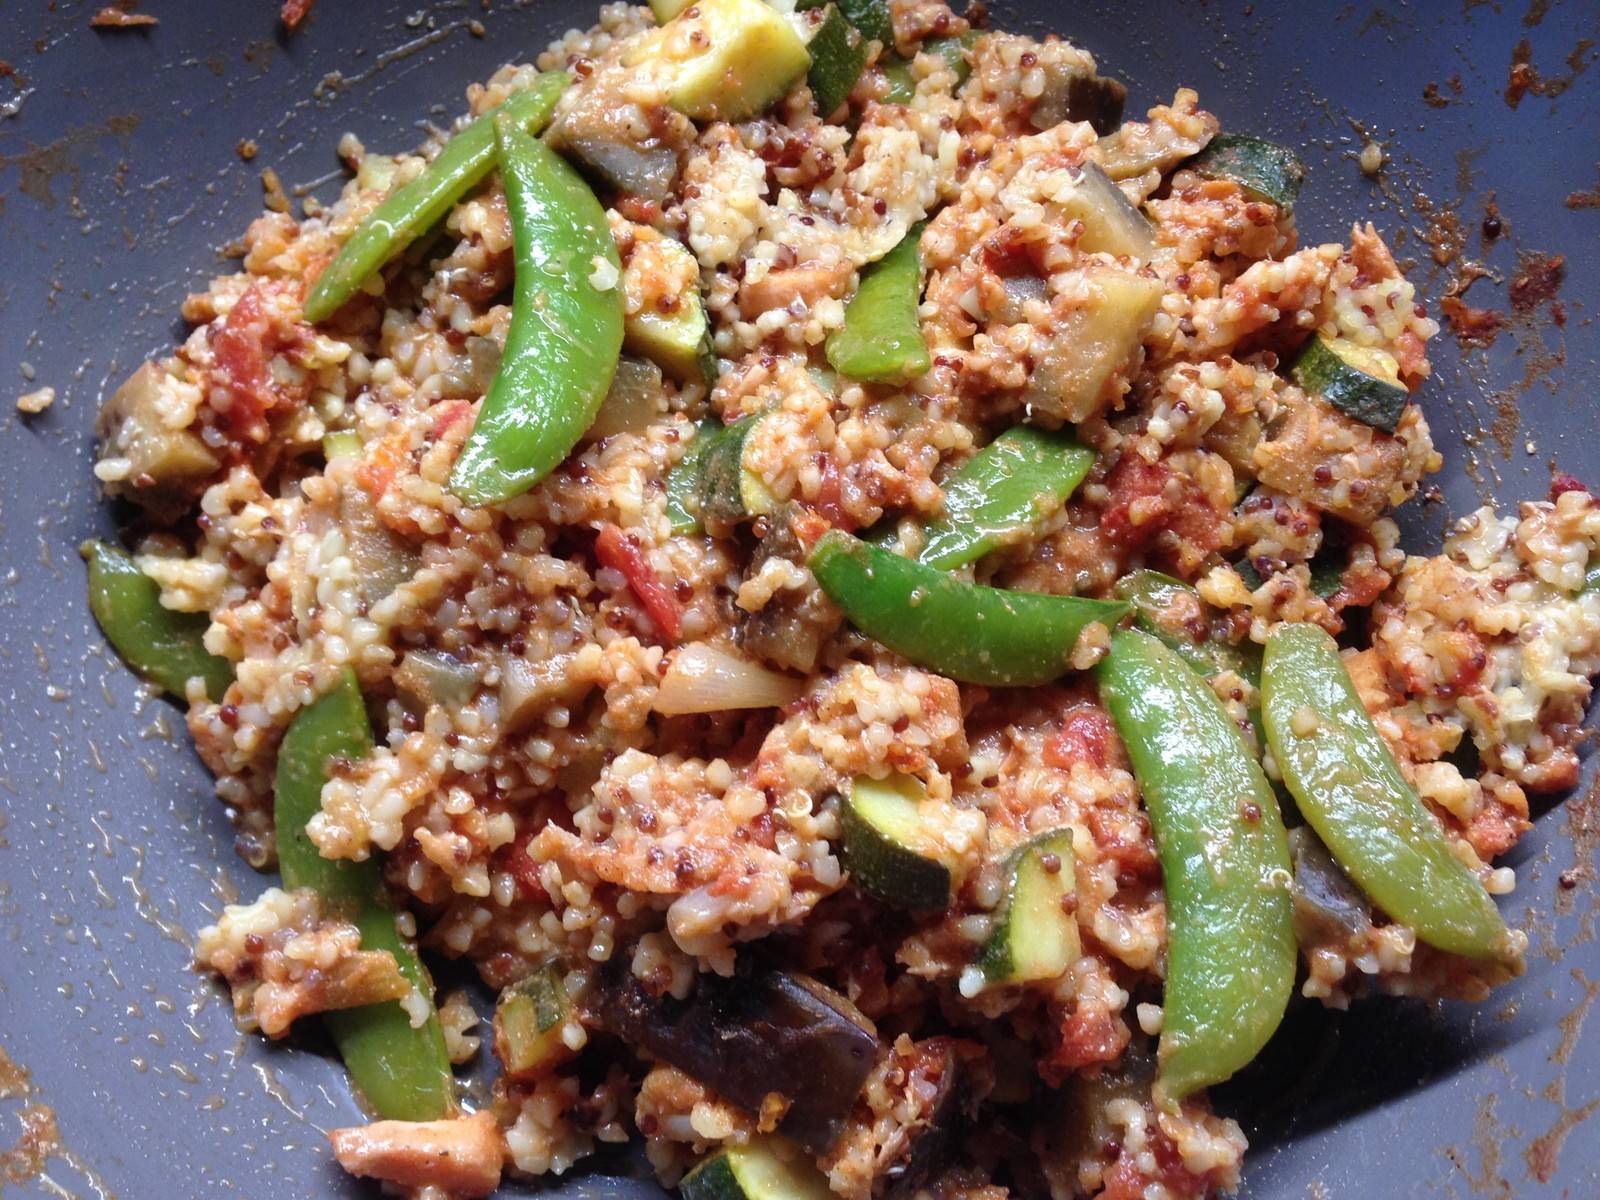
x: 634, y: 403
x: 703, y: 678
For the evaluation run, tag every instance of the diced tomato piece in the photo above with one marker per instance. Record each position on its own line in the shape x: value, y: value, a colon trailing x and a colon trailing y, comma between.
x: 293, y: 12
x: 448, y: 414
x: 240, y: 347
x: 515, y: 859
x: 1125, y: 1180
x: 1089, y: 1034
x: 621, y: 552
x: 382, y: 464
x: 1146, y: 498
x: 1562, y: 482
x: 1085, y: 736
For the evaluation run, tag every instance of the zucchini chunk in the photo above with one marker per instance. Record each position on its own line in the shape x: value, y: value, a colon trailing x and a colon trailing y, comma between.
x: 1265, y: 170
x: 887, y: 849
x: 903, y: 82
x: 724, y: 60
x: 528, y: 1021
x: 749, y: 1037
x: 1073, y: 94
x: 683, y: 481
x: 1359, y: 381
x: 1111, y: 223
x: 762, y: 1169
x: 838, y: 54
x: 728, y: 491
x: 678, y: 342
x: 1035, y: 934
x: 665, y: 10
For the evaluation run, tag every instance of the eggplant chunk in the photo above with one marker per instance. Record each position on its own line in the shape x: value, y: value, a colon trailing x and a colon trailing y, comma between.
x: 750, y: 1036
x: 942, y: 1126
x: 791, y: 629
x: 1074, y: 94
x: 1327, y: 906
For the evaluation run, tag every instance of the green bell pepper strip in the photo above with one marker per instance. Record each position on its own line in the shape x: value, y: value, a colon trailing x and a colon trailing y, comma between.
x: 1225, y: 858
x: 403, y: 1072
x: 1153, y: 596
x: 683, y: 481
x: 961, y: 630
x: 416, y: 207
x: 881, y: 338
x: 565, y: 336
x: 1351, y: 792
x: 1012, y: 484
x: 162, y: 645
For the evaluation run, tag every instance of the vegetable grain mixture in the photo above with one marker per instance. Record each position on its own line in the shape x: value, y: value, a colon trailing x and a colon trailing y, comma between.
x: 854, y: 585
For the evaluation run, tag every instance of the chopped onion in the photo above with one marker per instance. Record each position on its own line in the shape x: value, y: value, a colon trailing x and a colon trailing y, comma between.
x: 704, y: 678
x: 634, y: 402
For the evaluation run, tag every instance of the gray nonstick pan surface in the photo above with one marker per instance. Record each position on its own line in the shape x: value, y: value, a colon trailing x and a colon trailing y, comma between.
x: 121, y: 182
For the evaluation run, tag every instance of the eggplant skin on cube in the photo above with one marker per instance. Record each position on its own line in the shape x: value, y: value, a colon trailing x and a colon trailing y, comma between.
x: 748, y: 1036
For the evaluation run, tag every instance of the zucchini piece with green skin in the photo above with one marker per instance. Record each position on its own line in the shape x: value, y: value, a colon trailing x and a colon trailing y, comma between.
x: 838, y: 55
x: 881, y: 338
x: 414, y: 209
x: 748, y: 1036
x: 1173, y: 611
x: 886, y: 848
x: 1350, y: 790
x: 1354, y: 379
x: 1224, y: 858
x: 159, y: 644
x: 565, y: 336
x: 961, y: 630
x: 1265, y: 170
x: 340, y: 443
x: 665, y: 10
x: 1011, y: 485
x: 724, y: 60
x: 528, y: 1023
x: 728, y: 492
x: 871, y: 17
x: 403, y: 1072
x: 761, y: 1169
x: 678, y: 342
x: 683, y: 481
x: 1591, y: 578
x: 1035, y: 935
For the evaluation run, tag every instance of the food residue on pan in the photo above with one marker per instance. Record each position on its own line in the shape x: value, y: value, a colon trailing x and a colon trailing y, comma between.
x: 122, y: 16
x: 36, y: 401
x: 1523, y: 78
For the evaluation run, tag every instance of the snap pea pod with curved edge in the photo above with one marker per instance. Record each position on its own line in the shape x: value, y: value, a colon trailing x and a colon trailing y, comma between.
x: 961, y: 630
x: 881, y: 338
x: 1225, y: 859
x: 566, y: 327
x: 1010, y: 485
x: 162, y: 645
x: 1352, y: 793
x: 403, y: 1072
x: 416, y: 207
x: 1161, y: 606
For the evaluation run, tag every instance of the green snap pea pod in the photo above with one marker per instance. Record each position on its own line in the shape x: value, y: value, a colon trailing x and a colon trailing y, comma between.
x: 961, y: 630
x: 1173, y: 611
x: 1225, y: 858
x: 1012, y: 484
x: 403, y: 1072
x: 683, y: 481
x: 566, y: 327
x: 415, y: 208
x: 881, y: 338
x: 1352, y: 793
x: 164, y: 646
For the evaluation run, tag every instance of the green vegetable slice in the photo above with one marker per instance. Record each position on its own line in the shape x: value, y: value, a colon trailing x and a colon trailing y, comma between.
x: 728, y: 492
x: 403, y: 1072
x: 1358, y: 381
x: 1173, y: 611
x: 886, y: 848
x: 1010, y: 486
x: 871, y: 17
x: 881, y: 339
x: 678, y: 342
x: 162, y: 645
x: 838, y: 55
x: 961, y: 630
x: 1352, y: 793
x: 465, y: 161
x: 1112, y: 224
x: 683, y: 481
x: 724, y: 60
x: 1225, y: 859
x: 1035, y: 934
x: 1265, y: 170
x: 566, y: 330
x: 763, y: 1169
x: 528, y: 1020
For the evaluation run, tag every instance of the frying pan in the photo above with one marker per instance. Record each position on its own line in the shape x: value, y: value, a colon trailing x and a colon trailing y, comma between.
x: 120, y: 181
